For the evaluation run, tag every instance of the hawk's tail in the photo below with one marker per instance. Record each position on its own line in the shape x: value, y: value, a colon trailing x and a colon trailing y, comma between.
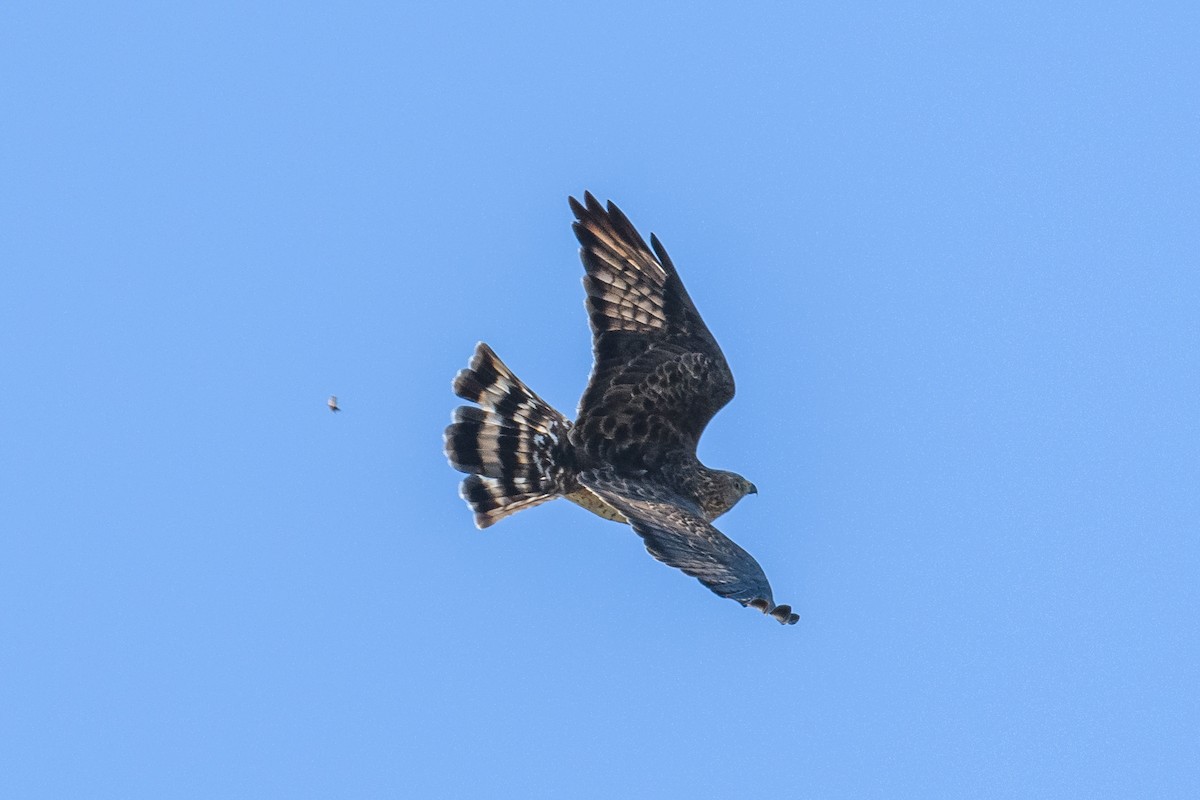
x: 512, y: 448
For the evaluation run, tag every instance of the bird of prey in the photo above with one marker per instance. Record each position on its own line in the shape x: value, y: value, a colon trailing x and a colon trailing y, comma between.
x: 630, y: 455
x: 333, y: 406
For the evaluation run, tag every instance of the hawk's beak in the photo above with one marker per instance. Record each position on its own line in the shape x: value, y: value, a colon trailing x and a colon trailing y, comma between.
x: 753, y: 489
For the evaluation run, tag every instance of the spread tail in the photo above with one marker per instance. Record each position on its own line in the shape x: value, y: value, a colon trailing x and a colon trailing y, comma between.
x: 512, y: 448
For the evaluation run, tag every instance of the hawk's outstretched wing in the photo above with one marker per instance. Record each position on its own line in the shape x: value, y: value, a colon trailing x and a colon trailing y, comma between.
x: 676, y: 534
x: 659, y: 376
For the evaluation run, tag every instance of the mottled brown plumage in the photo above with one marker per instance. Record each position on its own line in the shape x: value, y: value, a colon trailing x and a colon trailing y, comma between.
x: 658, y: 378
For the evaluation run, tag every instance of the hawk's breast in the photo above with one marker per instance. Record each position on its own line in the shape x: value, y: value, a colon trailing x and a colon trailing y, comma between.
x: 588, y: 499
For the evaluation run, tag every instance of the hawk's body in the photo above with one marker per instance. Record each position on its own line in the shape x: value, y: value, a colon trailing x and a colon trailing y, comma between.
x: 658, y: 378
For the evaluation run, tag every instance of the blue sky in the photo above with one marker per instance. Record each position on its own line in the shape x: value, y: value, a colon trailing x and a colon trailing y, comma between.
x: 950, y: 250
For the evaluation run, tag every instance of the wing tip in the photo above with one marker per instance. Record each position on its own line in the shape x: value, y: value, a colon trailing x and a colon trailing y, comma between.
x: 785, y: 615
x: 782, y: 613
x: 576, y: 207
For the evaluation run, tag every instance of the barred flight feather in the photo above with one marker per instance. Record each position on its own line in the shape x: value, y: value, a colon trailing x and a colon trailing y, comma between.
x: 511, y: 447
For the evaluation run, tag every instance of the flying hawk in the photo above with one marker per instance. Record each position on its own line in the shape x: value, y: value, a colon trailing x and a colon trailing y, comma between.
x: 630, y: 456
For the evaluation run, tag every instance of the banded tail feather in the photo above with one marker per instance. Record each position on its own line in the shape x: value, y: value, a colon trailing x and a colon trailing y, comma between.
x: 512, y: 447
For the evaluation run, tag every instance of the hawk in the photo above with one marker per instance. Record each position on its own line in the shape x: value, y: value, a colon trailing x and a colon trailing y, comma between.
x: 630, y: 456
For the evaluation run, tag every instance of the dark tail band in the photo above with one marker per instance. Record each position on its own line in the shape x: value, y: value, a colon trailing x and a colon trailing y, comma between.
x: 512, y: 447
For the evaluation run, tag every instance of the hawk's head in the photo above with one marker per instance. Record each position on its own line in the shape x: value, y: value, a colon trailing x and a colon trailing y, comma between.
x: 721, y: 491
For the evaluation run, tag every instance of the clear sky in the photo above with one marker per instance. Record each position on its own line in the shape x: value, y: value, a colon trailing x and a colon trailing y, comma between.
x: 951, y: 251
